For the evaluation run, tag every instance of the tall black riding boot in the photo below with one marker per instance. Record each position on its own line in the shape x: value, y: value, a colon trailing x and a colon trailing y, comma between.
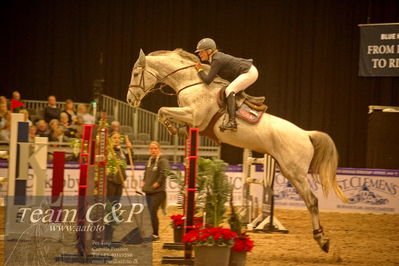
x: 231, y: 110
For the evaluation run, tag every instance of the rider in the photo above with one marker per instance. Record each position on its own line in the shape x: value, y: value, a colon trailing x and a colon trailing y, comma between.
x: 240, y: 72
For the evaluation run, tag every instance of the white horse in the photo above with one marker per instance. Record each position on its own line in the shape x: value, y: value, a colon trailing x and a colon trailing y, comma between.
x: 296, y: 151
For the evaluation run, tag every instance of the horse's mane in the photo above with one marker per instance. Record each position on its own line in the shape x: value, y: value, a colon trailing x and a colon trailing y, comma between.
x: 184, y: 54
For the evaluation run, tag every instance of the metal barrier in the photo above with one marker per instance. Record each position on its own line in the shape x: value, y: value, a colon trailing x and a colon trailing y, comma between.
x: 142, y: 122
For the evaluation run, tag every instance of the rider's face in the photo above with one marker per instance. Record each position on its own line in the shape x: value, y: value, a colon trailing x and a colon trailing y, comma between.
x: 203, y: 55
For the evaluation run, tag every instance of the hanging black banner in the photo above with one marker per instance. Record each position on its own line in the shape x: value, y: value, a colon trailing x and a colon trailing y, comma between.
x: 379, y: 50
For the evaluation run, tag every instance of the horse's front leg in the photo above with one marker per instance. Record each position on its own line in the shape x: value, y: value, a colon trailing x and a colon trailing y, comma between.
x: 170, y: 115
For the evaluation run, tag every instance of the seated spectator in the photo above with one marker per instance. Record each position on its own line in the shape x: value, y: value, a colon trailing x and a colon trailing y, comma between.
x: 3, y: 99
x: 56, y: 132
x: 88, y: 119
x: 57, y: 135
x: 32, y: 133
x: 26, y: 116
x: 64, y: 120
x: 17, y: 97
x: 42, y: 129
x: 78, y: 126
x: 3, y: 111
x: 51, y: 111
x: 69, y: 110
x: 5, y: 127
x: 3, y: 108
x: 69, y: 130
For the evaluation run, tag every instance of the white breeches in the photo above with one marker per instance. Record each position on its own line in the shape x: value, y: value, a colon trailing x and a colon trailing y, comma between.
x: 243, y: 81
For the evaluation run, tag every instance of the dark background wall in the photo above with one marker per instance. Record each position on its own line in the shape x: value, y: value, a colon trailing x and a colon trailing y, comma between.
x: 306, y: 53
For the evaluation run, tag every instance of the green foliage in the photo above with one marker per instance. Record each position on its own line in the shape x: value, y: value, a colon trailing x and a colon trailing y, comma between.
x: 113, y: 162
x: 177, y: 176
x: 217, y: 189
x: 234, y: 219
x: 75, y: 144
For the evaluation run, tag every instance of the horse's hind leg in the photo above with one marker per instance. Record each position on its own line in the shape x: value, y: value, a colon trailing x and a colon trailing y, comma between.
x: 302, y: 186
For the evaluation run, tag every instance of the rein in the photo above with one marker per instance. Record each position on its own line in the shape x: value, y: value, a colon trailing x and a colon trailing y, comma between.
x: 160, y: 88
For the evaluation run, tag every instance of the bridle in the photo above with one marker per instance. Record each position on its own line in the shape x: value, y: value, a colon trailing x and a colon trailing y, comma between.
x: 141, y: 84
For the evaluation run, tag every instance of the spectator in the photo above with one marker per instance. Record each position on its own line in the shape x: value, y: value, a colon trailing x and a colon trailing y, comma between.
x: 17, y: 97
x: 154, y: 184
x: 69, y: 110
x: 26, y: 116
x: 3, y: 109
x: 32, y: 133
x: 116, y: 127
x: 57, y: 135
x: 116, y: 175
x: 69, y: 130
x: 88, y: 119
x: 56, y: 132
x: 3, y: 99
x: 78, y: 126
x: 42, y: 129
x: 5, y: 127
x: 51, y: 111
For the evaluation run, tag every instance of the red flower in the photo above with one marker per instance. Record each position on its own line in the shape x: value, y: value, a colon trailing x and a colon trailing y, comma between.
x: 243, y: 243
x: 178, y: 221
x: 215, y: 236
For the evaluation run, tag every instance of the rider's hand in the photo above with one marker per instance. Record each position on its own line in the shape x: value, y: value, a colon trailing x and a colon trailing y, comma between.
x: 198, y: 66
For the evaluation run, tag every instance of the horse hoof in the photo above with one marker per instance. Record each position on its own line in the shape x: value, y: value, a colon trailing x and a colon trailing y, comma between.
x: 183, y: 132
x: 326, y: 246
x: 172, y: 131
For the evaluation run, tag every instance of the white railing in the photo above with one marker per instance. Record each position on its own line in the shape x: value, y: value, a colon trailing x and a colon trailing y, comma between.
x: 141, y: 121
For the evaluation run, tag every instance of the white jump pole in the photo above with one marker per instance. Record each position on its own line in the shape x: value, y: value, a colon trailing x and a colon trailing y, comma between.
x: 12, y: 161
x: 40, y: 152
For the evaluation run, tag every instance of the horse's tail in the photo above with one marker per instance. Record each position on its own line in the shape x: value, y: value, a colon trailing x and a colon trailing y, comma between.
x: 324, y: 163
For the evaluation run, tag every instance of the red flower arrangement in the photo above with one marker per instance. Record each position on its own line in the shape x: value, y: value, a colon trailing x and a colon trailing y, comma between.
x: 214, y: 236
x: 243, y: 243
x: 178, y: 221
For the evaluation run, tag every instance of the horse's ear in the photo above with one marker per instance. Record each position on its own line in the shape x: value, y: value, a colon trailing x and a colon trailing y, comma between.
x: 141, y: 60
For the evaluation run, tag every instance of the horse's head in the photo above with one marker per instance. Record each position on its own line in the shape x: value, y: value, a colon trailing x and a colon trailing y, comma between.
x: 142, y: 81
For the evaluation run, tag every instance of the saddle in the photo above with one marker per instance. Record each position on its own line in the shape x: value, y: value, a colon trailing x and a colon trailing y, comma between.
x: 254, y: 102
x: 249, y: 108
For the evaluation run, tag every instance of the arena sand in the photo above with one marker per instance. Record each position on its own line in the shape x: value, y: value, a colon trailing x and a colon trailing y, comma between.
x: 356, y: 239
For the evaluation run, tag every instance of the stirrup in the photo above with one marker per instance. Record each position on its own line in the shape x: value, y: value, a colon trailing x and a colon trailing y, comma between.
x: 228, y: 126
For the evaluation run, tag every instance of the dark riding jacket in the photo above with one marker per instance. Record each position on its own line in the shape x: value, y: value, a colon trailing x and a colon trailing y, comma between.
x: 155, y: 173
x: 226, y: 66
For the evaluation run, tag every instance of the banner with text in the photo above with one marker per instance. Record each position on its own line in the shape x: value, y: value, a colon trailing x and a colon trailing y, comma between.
x: 368, y: 190
x: 379, y: 50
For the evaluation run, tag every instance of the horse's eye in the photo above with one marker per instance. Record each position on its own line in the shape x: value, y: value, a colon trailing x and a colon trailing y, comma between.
x: 135, y: 74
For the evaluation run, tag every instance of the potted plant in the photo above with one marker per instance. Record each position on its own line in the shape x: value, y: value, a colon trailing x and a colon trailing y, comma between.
x: 177, y: 222
x: 178, y: 225
x: 211, y: 245
x: 242, y: 242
